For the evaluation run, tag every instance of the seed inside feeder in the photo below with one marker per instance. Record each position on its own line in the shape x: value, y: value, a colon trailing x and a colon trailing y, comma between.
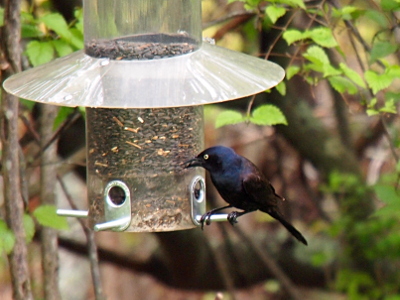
x: 148, y: 160
x: 140, y: 47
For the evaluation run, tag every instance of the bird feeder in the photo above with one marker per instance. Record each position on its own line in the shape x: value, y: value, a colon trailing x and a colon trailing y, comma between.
x: 143, y: 77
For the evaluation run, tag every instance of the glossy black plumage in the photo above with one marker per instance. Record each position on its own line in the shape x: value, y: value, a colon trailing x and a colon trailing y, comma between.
x: 241, y: 185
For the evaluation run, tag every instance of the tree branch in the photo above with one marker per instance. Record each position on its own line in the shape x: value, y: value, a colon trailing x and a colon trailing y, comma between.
x: 50, y: 263
x: 91, y: 247
x: 14, y: 206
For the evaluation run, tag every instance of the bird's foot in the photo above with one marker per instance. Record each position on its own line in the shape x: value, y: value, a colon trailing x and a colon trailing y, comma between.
x: 232, y: 216
x: 206, y: 218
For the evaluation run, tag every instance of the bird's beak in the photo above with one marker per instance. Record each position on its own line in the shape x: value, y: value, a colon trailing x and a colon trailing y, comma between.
x: 194, y: 162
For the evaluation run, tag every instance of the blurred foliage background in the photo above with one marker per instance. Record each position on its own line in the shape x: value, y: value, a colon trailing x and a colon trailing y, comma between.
x: 327, y: 137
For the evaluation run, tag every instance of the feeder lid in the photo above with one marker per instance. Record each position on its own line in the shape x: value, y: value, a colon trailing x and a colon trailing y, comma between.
x: 210, y: 74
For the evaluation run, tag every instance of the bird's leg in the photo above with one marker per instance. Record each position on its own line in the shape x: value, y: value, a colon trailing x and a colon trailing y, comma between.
x: 232, y: 216
x: 207, y: 216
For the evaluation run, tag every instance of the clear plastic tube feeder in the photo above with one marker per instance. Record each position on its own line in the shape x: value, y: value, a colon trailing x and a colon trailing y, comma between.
x: 143, y: 77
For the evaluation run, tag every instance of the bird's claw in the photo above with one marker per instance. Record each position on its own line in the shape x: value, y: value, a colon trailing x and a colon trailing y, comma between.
x: 232, y: 216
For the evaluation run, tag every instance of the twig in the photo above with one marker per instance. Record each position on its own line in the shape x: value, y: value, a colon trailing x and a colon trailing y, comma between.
x: 92, y: 247
x: 387, y: 135
x: 228, y: 17
x: 67, y: 123
x: 392, y: 149
x: 30, y: 128
x: 280, y: 34
x: 312, y: 20
x: 249, y: 106
x: 10, y: 35
x: 342, y: 121
x: 356, y: 33
x: 271, y: 265
x: 222, y: 265
x: 312, y: 195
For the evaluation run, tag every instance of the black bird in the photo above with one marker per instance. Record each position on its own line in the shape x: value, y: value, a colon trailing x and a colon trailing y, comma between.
x: 241, y: 184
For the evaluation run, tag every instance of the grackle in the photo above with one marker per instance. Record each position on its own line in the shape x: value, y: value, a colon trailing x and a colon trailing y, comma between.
x: 241, y: 184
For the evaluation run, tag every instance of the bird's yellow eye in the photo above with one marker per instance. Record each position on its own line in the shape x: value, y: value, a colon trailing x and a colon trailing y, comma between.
x: 205, y: 156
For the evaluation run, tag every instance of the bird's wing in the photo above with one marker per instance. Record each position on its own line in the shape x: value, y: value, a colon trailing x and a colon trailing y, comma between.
x: 259, y: 190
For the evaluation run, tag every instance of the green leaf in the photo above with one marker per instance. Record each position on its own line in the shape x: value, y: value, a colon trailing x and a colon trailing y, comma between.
x: 349, y: 12
x: 294, y: 3
x: 377, y: 82
x: 352, y: 75
x: 62, y: 47
x: 322, y: 36
x: 387, y: 194
x: 378, y: 17
x: 7, y: 238
x: 27, y: 17
x: 250, y: 4
x: 1, y: 16
x: 82, y: 110
x: 268, y: 114
x: 291, y: 71
x: 392, y: 96
x: 47, y: 216
x: 39, y: 52
x: 372, y: 112
x: 27, y: 103
x: 228, y: 117
x: 281, y: 88
x: 57, y: 23
x: 382, y: 49
x: 78, y: 14
x: 342, y: 85
x: 319, y: 259
x: 389, y: 107
x: 320, y: 61
x: 275, y: 12
x: 329, y: 70
x: 317, y: 55
x: 292, y: 35
x: 29, y: 227
x: 76, y: 38
x: 372, y: 102
x: 63, y: 113
x: 391, y: 5
x: 393, y: 71
x: 30, y: 31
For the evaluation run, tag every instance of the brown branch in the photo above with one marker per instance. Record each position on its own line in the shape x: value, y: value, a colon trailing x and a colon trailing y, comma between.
x: 222, y: 264
x: 67, y: 123
x: 91, y: 247
x: 50, y: 263
x: 350, y: 26
x: 237, y: 21
x: 282, y: 30
x: 271, y: 264
x: 369, y: 136
x: 342, y: 121
x: 234, y: 15
x: 389, y: 138
x: 14, y: 206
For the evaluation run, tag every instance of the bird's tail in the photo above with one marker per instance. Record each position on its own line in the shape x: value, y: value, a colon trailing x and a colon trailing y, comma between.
x: 288, y: 226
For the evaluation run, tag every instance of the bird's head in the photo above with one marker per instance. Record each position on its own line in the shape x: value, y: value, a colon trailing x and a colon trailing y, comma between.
x: 213, y: 159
